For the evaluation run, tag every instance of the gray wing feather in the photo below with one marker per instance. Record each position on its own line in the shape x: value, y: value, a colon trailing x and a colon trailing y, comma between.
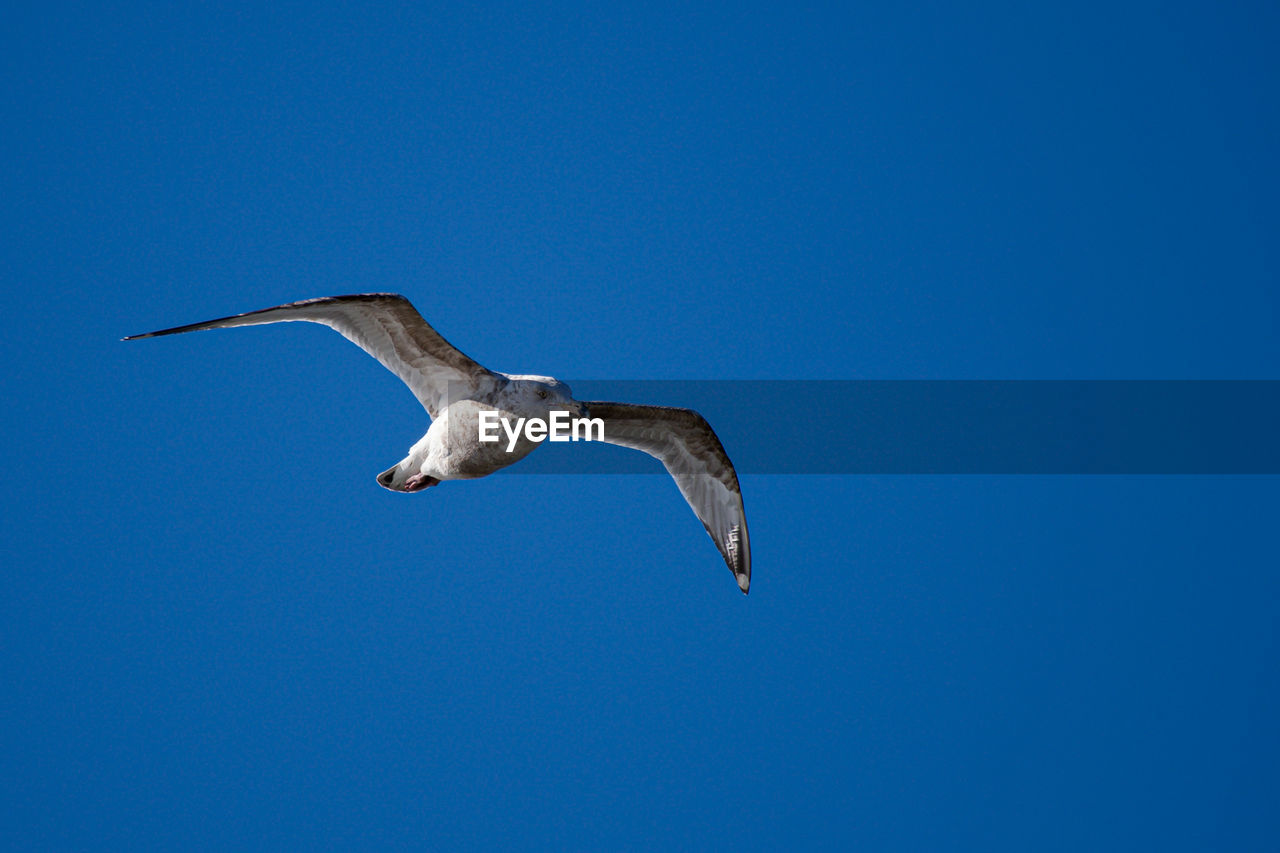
x: 384, y: 325
x: 683, y: 441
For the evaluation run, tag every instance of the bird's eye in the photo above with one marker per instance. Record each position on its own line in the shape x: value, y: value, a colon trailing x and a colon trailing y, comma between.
x: 542, y: 394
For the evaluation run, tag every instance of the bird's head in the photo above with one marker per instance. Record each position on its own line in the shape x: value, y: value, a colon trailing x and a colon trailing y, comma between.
x: 542, y: 394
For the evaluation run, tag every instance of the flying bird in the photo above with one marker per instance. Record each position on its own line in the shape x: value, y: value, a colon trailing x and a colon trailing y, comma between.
x: 455, y: 391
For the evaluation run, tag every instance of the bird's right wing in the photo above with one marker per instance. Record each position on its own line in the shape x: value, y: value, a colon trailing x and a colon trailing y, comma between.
x: 683, y: 441
x: 387, y: 327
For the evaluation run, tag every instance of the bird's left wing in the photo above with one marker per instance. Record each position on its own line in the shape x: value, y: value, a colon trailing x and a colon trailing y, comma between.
x: 387, y: 327
x: 685, y: 443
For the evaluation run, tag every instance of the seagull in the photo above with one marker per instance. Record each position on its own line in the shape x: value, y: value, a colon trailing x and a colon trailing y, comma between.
x: 455, y: 391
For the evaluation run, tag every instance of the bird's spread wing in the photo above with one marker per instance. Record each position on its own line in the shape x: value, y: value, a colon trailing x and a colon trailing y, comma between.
x: 684, y: 442
x: 384, y: 325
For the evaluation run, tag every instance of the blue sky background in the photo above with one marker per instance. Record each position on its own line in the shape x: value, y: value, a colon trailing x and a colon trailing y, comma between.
x: 217, y: 631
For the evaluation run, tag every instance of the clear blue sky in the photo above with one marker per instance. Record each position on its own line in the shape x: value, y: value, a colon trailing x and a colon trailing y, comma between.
x: 217, y: 631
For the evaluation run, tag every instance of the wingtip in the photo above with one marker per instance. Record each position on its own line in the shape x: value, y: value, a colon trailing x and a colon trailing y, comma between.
x: 744, y: 583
